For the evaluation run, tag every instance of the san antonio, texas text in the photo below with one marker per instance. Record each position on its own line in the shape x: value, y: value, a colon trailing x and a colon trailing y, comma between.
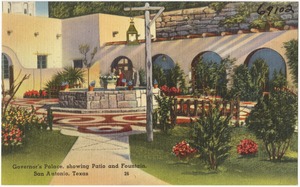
x: 72, y: 168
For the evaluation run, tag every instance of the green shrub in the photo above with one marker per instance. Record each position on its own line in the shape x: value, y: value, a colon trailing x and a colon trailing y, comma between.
x: 291, y: 53
x: 159, y: 75
x: 211, y: 76
x: 174, y: 77
x: 248, y: 84
x: 273, y: 120
x: 211, y: 136
x: 142, y: 77
x: 70, y: 75
x: 162, y: 115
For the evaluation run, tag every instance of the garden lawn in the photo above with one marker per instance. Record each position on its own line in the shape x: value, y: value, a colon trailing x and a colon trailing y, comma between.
x: 40, y: 148
x: 236, y: 170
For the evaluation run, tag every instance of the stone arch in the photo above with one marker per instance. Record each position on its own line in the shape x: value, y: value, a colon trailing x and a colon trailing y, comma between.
x: 123, y: 64
x: 206, y: 56
x: 272, y: 58
x: 164, y: 61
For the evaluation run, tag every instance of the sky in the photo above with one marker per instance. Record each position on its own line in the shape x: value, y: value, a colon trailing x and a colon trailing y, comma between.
x: 42, y: 8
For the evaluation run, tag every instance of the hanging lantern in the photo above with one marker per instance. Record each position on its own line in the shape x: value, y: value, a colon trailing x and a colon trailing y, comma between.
x: 132, y: 34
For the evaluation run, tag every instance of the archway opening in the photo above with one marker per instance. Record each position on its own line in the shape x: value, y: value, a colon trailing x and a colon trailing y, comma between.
x: 123, y: 67
x: 7, y: 72
x: 264, y: 64
x: 208, y: 76
x: 162, y: 65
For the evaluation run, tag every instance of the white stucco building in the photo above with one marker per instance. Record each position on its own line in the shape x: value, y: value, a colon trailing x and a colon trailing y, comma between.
x: 41, y: 46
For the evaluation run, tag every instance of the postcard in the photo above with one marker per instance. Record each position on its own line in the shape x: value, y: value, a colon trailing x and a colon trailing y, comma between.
x: 149, y: 93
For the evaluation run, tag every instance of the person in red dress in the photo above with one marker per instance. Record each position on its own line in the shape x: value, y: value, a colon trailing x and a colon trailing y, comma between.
x: 121, y: 76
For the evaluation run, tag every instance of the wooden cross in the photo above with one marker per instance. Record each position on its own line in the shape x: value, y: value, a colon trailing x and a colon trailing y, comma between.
x: 149, y: 93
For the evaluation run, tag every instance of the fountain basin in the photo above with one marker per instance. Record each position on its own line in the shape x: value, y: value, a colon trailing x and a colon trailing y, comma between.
x: 101, y: 98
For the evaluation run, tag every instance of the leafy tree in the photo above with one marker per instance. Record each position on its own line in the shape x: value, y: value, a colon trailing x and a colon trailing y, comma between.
x: 71, y: 9
x: 223, y: 70
x: 176, y: 78
x: 84, y: 50
x: 291, y: 53
x: 242, y: 85
x: 278, y: 82
x: 249, y: 84
x: 142, y: 77
x: 259, y: 74
x: 273, y: 120
x: 61, y: 9
x: 158, y: 74
x: 212, y: 75
x: 211, y: 136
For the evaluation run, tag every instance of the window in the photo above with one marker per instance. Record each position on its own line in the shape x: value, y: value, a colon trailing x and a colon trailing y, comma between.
x: 9, y: 8
x: 42, y: 61
x: 271, y: 57
x: 78, y: 63
x: 5, y: 67
x: 25, y: 8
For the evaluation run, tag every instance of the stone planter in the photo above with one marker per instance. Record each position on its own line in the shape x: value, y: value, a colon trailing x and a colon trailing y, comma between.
x: 110, y: 84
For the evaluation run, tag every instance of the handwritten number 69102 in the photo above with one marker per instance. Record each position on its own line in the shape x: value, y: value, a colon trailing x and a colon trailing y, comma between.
x: 270, y: 9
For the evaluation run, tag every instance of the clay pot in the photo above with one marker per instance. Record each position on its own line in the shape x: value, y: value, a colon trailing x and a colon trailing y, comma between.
x: 130, y: 87
x: 91, y: 88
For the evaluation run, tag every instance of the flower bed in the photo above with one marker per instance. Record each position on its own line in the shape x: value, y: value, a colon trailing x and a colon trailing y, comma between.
x: 170, y: 91
x: 11, y: 135
x: 35, y: 94
x: 16, y: 122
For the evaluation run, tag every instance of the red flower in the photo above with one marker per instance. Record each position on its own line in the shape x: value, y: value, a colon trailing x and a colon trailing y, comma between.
x: 247, y: 147
x: 44, y: 93
x: 165, y: 89
x: 170, y: 91
x: 183, y: 150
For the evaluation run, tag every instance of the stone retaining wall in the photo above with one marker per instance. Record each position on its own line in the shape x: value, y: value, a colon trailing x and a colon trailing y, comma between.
x: 205, y: 20
x: 105, y: 99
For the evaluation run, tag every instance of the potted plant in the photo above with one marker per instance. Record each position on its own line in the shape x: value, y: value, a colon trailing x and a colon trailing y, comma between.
x: 155, y: 83
x: 142, y: 77
x: 64, y: 85
x: 109, y: 81
x: 92, y: 86
x: 130, y: 85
